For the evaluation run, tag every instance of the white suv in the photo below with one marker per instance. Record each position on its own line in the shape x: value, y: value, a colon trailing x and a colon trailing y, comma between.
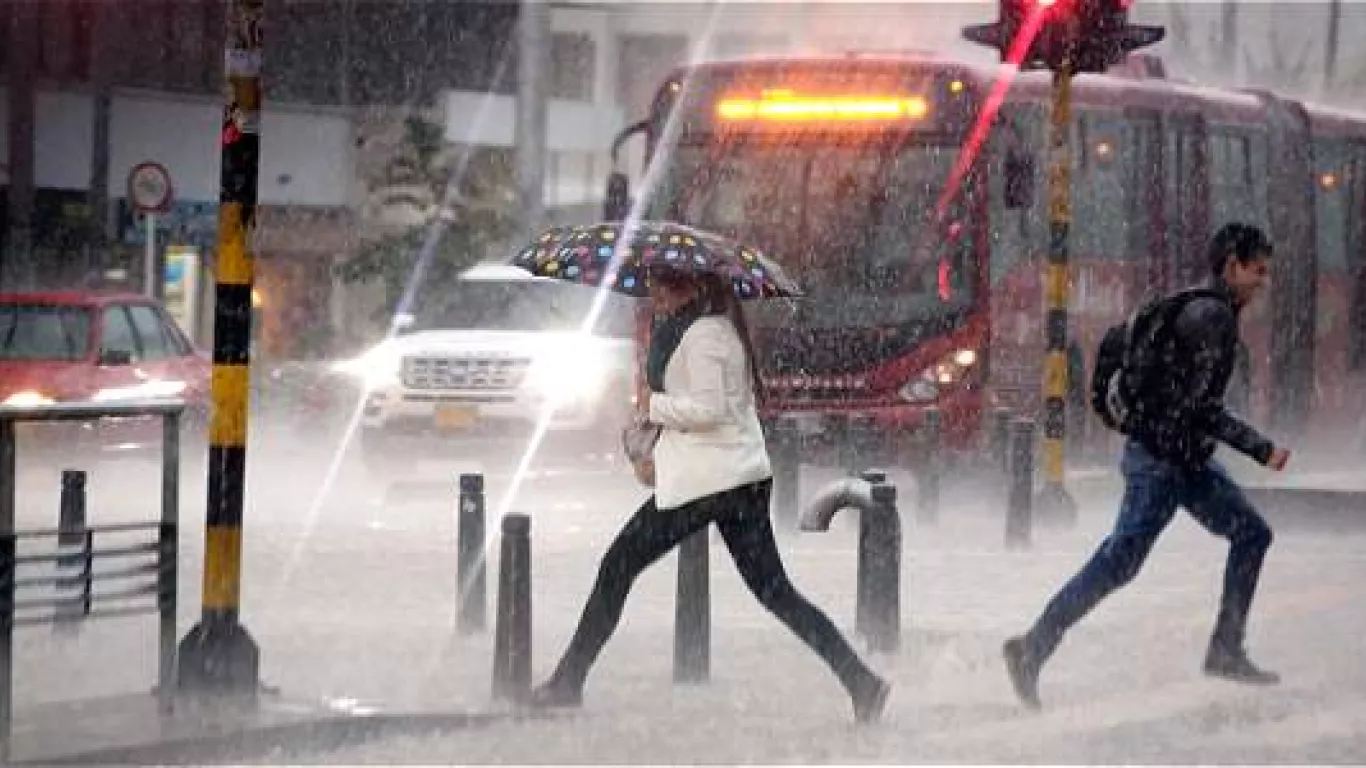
x: 470, y: 375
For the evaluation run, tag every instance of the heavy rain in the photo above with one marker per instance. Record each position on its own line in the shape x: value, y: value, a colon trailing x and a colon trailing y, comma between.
x: 333, y: 332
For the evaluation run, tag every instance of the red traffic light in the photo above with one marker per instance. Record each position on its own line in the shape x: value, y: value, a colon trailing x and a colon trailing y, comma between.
x: 1079, y: 35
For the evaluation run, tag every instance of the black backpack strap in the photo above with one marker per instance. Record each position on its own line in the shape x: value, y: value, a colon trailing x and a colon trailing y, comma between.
x: 1177, y: 302
x: 1164, y: 314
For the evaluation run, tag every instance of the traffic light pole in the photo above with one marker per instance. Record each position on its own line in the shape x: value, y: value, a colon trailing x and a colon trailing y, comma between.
x: 217, y: 656
x: 1067, y: 38
x: 1055, y: 503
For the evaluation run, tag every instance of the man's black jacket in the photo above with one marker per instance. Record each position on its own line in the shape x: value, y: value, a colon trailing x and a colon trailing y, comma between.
x: 1182, y: 415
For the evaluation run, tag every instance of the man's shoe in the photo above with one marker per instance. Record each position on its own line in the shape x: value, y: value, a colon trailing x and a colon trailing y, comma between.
x: 1024, y: 671
x: 553, y: 694
x: 1237, y: 667
x: 871, y: 699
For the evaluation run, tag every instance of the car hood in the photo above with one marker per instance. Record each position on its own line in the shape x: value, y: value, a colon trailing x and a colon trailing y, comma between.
x: 527, y: 344
x: 62, y: 380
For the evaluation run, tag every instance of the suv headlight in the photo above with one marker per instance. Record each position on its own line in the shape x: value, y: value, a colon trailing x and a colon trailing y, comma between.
x: 377, y: 367
x: 568, y: 374
x: 945, y: 373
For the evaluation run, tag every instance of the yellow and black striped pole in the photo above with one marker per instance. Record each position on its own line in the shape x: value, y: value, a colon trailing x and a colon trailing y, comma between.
x: 1055, y: 502
x: 218, y: 656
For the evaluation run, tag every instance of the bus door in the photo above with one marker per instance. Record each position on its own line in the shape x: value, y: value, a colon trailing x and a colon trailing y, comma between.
x: 1147, y: 246
x: 1018, y: 221
x: 1186, y: 161
x: 1356, y: 259
x: 1294, y: 277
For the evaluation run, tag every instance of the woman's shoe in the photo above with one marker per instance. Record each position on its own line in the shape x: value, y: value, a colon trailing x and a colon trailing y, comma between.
x: 553, y: 694
x: 871, y: 699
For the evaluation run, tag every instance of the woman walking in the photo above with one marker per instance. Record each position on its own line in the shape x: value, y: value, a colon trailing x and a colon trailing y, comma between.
x: 710, y: 466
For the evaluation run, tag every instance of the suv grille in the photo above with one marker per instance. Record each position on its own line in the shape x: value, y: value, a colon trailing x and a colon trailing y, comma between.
x: 421, y: 372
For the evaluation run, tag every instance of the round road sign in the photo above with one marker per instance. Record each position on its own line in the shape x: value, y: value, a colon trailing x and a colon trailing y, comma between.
x: 149, y: 188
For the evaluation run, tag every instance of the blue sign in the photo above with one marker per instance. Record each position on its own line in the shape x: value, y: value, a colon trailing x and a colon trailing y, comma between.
x: 188, y: 222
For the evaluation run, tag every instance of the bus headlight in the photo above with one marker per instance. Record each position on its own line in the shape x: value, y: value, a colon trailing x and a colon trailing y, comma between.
x: 945, y: 373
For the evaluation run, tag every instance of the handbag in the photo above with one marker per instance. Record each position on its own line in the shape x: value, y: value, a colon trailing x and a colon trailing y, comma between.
x: 638, y: 441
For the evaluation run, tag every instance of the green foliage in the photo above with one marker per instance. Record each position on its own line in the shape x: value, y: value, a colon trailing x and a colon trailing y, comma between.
x: 477, y: 226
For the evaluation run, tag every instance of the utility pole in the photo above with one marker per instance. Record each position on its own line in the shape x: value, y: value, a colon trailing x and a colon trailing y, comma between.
x: 97, y: 243
x: 1330, y: 50
x: 533, y: 64
x: 217, y: 656
x: 1228, y: 39
x: 21, y: 59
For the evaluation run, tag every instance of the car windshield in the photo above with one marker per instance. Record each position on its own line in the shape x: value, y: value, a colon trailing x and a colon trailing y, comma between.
x: 847, y: 219
x: 522, y: 305
x: 44, y: 332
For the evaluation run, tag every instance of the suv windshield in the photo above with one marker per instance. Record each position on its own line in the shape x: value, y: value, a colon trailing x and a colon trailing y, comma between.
x: 44, y: 332
x: 522, y: 305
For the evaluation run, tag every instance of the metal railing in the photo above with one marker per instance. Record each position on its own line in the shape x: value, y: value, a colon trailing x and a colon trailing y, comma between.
x: 142, y: 574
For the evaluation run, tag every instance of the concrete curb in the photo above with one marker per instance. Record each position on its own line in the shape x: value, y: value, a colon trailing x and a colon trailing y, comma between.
x: 289, y: 741
x: 1321, y: 509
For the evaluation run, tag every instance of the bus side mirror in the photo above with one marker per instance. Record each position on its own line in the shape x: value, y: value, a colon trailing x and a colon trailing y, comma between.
x: 1019, y: 180
x: 616, y: 205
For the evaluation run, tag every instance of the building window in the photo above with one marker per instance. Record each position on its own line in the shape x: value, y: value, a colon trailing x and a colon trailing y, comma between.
x: 572, y: 56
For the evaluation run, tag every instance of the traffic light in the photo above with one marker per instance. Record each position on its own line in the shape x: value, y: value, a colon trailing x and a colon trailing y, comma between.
x: 1082, y: 35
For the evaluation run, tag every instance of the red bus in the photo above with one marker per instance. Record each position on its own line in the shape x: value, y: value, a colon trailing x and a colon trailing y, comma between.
x: 835, y: 166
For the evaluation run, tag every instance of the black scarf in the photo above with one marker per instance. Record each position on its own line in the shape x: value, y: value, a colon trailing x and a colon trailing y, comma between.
x: 665, y: 336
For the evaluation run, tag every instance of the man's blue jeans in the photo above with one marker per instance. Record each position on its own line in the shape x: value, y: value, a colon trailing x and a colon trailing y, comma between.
x: 1153, y: 489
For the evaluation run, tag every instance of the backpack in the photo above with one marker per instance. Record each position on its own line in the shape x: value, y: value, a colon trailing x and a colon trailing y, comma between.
x: 1126, y: 354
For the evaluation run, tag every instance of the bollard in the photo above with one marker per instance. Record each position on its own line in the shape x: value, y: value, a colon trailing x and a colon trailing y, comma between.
x: 881, y: 543
x: 878, y: 598
x: 1000, y: 438
x: 931, y: 465
x: 1019, y: 503
x: 786, y: 475
x: 471, y: 572
x: 70, y: 543
x: 861, y: 586
x: 512, y: 628
x: 71, y: 514
x: 692, y: 611
x: 168, y: 551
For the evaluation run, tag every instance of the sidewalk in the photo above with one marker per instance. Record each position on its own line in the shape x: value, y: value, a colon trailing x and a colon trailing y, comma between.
x: 1125, y: 688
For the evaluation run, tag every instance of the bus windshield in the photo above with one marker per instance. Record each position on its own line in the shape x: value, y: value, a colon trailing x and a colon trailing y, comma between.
x: 850, y: 221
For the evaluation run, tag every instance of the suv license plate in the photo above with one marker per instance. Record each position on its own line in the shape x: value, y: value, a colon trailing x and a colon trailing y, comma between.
x: 455, y: 416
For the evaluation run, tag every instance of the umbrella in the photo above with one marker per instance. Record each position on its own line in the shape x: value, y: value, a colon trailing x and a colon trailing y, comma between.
x: 585, y: 253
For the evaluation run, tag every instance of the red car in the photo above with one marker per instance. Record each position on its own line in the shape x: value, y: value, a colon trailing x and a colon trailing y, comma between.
x: 85, y: 347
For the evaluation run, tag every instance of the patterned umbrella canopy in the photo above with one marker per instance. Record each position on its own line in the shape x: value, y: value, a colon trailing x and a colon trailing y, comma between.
x: 607, y: 253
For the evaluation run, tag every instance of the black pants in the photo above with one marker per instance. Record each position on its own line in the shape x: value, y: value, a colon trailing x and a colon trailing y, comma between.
x: 742, y: 516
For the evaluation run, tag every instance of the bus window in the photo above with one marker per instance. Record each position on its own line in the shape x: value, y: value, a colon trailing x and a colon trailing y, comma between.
x: 849, y: 219
x: 1100, y: 212
x: 1015, y: 231
x: 1330, y: 197
x: 1232, y: 193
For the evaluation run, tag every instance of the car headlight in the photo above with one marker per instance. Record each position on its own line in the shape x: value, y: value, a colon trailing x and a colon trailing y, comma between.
x: 567, y: 375
x: 377, y: 367
x: 28, y: 398
x: 945, y: 373
x: 148, y: 390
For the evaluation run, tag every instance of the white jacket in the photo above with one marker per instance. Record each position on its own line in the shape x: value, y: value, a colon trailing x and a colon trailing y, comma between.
x: 711, y: 440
